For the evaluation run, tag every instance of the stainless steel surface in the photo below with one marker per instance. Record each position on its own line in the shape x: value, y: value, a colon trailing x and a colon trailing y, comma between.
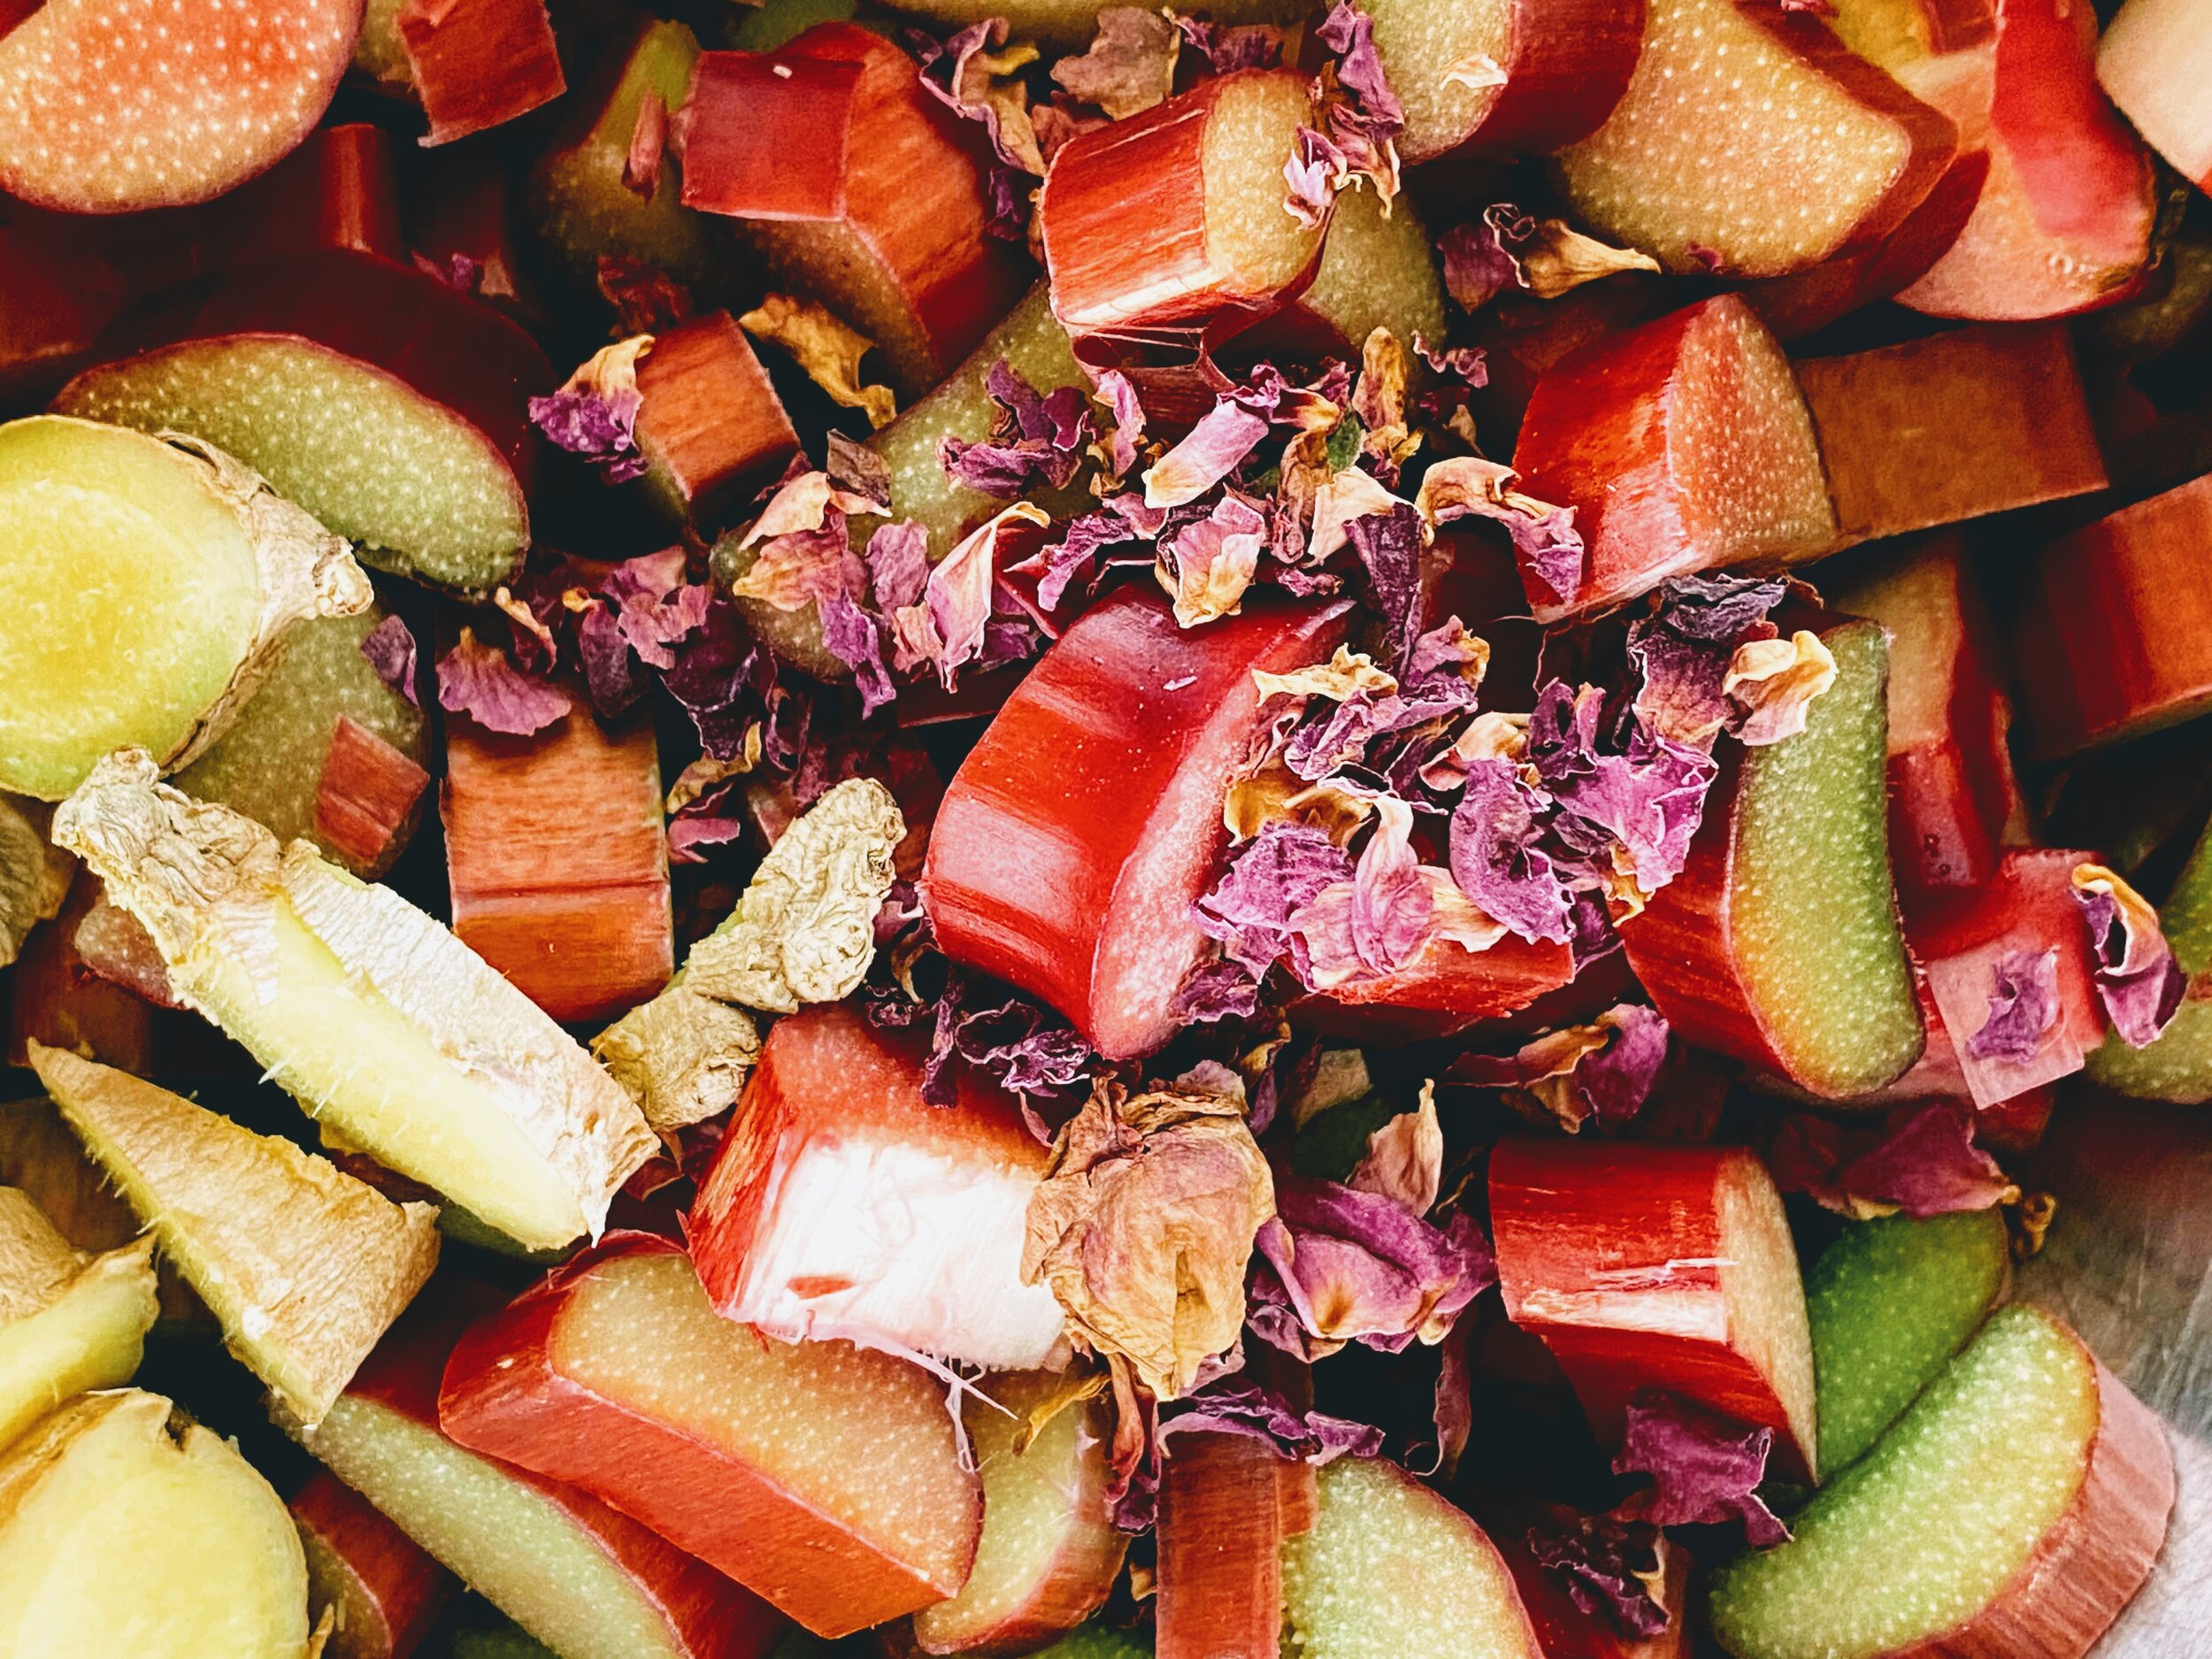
x: 2128, y: 1263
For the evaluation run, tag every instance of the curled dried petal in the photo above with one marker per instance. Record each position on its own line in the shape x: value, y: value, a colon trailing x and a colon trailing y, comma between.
x: 827, y: 350
x: 1774, y: 681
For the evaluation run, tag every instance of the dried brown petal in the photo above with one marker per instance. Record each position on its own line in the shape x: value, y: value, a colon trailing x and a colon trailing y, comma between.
x: 1405, y: 1158
x: 826, y: 350
x: 1130, y: 66
x: 1774, y: 681
x: 1561, y: 258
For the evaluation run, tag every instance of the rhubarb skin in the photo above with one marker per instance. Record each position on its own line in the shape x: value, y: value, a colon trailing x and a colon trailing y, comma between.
x: 819, y: 1526
x: 1952, y: 797
x: 2016, y: 1510
x: 2117, y: 625
x: 1083, y: 826
x: 711, y: 427
x: 1956, y: 425
x: 1649, y: 1266
x: 855, y: 184
x: 2153, y: 63
x: 384, y: 1589
x: 365, y: 801
x: 1441, y: 993
x: 843, y: 1205
x: 1522, y: 337
x: 1682, y: 445
x: 1220, y: 1548
x: 2064, y: 222
x: 475, y: 63
x: 557, y: 863
x: 571, y: 1569
x: 1778, y: 943
x: 68, y: 1324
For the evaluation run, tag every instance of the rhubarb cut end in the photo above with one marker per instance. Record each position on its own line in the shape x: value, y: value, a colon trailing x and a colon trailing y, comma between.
x: 1251, y: 236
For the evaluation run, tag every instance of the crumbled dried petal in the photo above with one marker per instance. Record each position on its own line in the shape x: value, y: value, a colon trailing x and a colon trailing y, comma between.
x: 1130, y: 66
x: 1229, y: 48
x: 594, y: 413
x: 1206, y: 566
x: 946, y: 628
x: 1207, y: 454
x: 1348, y: 494
x: 1494, y: 856
x: 1774, y: 681
x: 648, y: 145
x: 1143, y: 1225
x: 1704, y: 1470
x: 1923, y: 1160
x: 974, y: 79
x: 477, y: 680
x: 858, y: 638
x: 1354, y: 1266
x: 655, y: 609
x: 1343, y: 674
x: 1607, y: 1564
x: 1280, y: 871
x: 2023, y: 1005
x: 827, y: 350
x: 2138, y: 978
x: 390, y: 648
x: 1544, y: 535
x: 1405, y: 1158
x: 898, y: 563
x: 1557, y: 259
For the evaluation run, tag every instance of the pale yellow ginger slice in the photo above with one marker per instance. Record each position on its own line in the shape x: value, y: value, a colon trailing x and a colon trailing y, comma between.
x: 304, y: 1265
x: 128, y: 1532
x: 385, y: 1027
x: 67, y: 1323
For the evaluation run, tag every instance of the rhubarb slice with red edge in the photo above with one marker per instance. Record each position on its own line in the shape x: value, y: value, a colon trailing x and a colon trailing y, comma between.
x: 384, y: 1590
x: 708, y: 422
x: 475, y: 63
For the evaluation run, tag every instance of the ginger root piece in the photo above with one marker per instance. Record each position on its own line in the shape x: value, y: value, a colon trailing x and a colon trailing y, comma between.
x: 385, y: 1027
x: 33, y: 874
x: 304, y: 1265
x: 127, y: 1532
x: 67, y: 1323
x: 143, y: 583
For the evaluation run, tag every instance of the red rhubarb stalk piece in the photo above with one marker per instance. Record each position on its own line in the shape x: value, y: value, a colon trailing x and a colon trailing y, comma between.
x: 59, y: 1001
x: 1522, y: 337
x: 1682, y: 445
x: 557, y: 862
x: 1441, y: 993
x: 2117, y: 629
x: 856, y: 187
x: 2064, y: 221
x: 1956, y: 425
x: 460, y: 227
x: 340, y: 190
x: 189, y: 102
x: 59, y: 293
x: 366, y: 799
x: 1220, y: 1560
x: 1084, y: 824
x: 478, y: 62
x: 709, y: 422
x: 385, y: 1590
x: 823, y: 1477
x: 2154, y: 62
x: 1648, y: 1265
x: 843, y: 1205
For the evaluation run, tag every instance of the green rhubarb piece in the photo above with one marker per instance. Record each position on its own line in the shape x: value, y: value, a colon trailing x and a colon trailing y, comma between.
x: 269, y: 765
x: 777, y: 23
x: 497, y: 1641
x: 141, y: 586
x: 379, y: 53
x: 422, y: 491
x: 1922, y: 1533
x: 1099, y: 1641
x: 1814, y: 917
x: 1392, y: 1570
x: 1377, y: 271
x: 1891, y: 1301
x: 2178, y: 1065
x: 578, y: 203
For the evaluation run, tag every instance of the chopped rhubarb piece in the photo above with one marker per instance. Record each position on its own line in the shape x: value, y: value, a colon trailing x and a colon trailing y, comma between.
x: 390, y: 406
x: 2117, y: 625
x: 1952, y: 790
x: 475, y: 63
x: 1891, y: 1301
x: 1683, y: 445
x: 1170, y: 229
x: 578, y: 201
x: 384, y: 1026
x: 710, y: 425
x: 1648, y: 1265
x: 557, y: 863
x: 1957, y: 425
x: 2064, y: 222
x: 2014, y: 1510
x: 825, y: 1477
x: 1778, y: 942
x: 59, y: 1001
x: 1441, y: 992
x: 2178, y: 1066
x: 1522, y: 337
x: 1072, y: 23
x: 1048, y: 1553
x: 339, y: 189
x: 1222, y: 1531
x: 1378, y: 270
x: 1081, y: 891
x: 67, y: 1323
x: 302, y: 1303
x: 1504, y: 77
x: 190, y: 105
x: 2152, y: 62
x: 843, y: 1205
x: 143, y: 586
x: 1391, y: 1568
x: 857, y: 186
x: 324, y: 749
x: 1735, y: 108
x: 383, y: 1589
x: 127, y: 1528
x: 555, y: 1560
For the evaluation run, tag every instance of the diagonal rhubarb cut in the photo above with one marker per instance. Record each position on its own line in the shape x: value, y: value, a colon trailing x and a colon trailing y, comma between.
x: 189, y: 102
x: 708, y: 422
x: 557, y: 1561
x: 1753, y: 143
x: 1682, y: 445
x: 2014, y: 1510
x: 1390, y: 1570
x: 1648, y: 1265
x: 306, y: 1266
x: 1378, y: 270
x: 1079, y: 831
x: 843, y: 1205
x: 384, y: 1590
x: 1778, y: 943
x: 2154, y: 62
x: 1891, y: 1301
x: 68, y: 1323
x: 2178, y: 1066
x: 823, y: 1477
x: 475, y: 63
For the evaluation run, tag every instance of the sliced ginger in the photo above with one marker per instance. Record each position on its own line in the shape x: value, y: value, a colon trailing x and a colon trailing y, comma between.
x: 67, y: 1323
